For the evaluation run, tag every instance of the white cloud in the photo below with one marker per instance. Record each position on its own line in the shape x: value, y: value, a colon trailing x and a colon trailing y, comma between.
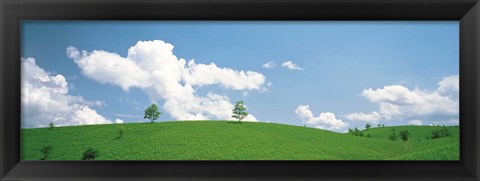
x: 446, y: 122
x: 290, y: 65
x: 245, y: 93
x: 118, y: 121
x: 86, y: 115
x: 128, y: 116
x: 152, y: 66
x: 415, y: 122
x: 388, y: 110
x: 209, y: 74
x: 372, y: 117
x: 269, y: 65
x: 449, y: 86
x: 109, y: 71
x: 325, y: 120
x: 413, y: 102
x: 397, y: 101
x: 45, y: 99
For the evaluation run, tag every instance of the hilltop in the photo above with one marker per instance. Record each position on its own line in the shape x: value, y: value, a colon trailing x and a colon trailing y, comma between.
x: 227, y: 140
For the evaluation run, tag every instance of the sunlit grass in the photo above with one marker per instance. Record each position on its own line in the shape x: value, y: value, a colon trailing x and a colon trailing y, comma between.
x: 226, y: 140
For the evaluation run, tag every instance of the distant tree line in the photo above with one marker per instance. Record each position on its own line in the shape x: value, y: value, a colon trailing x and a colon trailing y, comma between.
x: 357, y: 132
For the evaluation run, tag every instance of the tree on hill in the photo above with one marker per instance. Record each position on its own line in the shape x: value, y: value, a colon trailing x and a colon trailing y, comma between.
x: 239, y: 112
x: 368, y: 126
x: 379, y: 125
x: 393, y: 136
x: 350, y: 131
x: 355, y: 132
x: 152, y: 113
x: 440, y: 133
x: 404, y: 135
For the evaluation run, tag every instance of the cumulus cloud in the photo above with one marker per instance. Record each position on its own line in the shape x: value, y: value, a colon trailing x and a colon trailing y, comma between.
x: 449, y: 86
x: 152, y: 66
x: 115, y: 65
x: 269, y: 65
x: 45, y: 99
x: 128, y: 116
x: 118, y: 121
x: 326, y: 120
x: 372, y: 117
x: 290, y: 65
x: 416, y: 102
x: 415, y: 122
x: 397, y: 101
x: 209, y: 74
x: 448, y: 122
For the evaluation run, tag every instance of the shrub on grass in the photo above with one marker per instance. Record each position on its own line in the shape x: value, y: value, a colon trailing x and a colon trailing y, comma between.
x: 51, y: 125
x: 355, y: 132
x: 440, y: 133
x: 46, y: 151
x: 368, y: 126
x: 404, y: 135
x: 393, y: 136
x: 120, y: 131
x: 435, y: 134
x: 90, y: 154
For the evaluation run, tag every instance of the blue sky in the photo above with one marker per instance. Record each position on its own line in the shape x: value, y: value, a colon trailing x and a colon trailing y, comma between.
x: 349, y: 73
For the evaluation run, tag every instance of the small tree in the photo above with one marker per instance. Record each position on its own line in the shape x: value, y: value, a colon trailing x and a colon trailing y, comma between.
x: 239, y: 111
x: 383, y: 125
x: 379, y: 125
x: 445, y: 132
x: 51, y: 125
x: 368, y: 126
x: 355, y: 132
x: 350, y: 131
x: 440, y: 133
x: 152, y: 113
x: 404, y: 135
x: 393, y: 136
x: 120, y: 131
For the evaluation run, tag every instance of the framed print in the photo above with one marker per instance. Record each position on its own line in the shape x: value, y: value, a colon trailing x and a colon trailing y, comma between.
x: 247, y: 90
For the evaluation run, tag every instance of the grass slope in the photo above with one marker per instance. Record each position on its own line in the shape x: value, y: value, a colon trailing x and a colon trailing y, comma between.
x: 225, y: 140
x: 422, y: 148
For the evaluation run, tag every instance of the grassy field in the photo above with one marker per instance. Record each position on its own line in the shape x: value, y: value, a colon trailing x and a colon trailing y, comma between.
x: 225, y: 140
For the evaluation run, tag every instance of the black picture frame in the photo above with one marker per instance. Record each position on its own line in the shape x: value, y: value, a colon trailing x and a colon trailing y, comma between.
x: 12, y: 12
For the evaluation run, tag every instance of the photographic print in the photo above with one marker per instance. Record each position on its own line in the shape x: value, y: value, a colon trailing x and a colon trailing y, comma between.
x: 240, y: 90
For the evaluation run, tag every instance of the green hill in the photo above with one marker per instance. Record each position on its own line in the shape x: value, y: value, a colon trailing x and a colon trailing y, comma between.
x: 225, y: 140
x: 417, y: 132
